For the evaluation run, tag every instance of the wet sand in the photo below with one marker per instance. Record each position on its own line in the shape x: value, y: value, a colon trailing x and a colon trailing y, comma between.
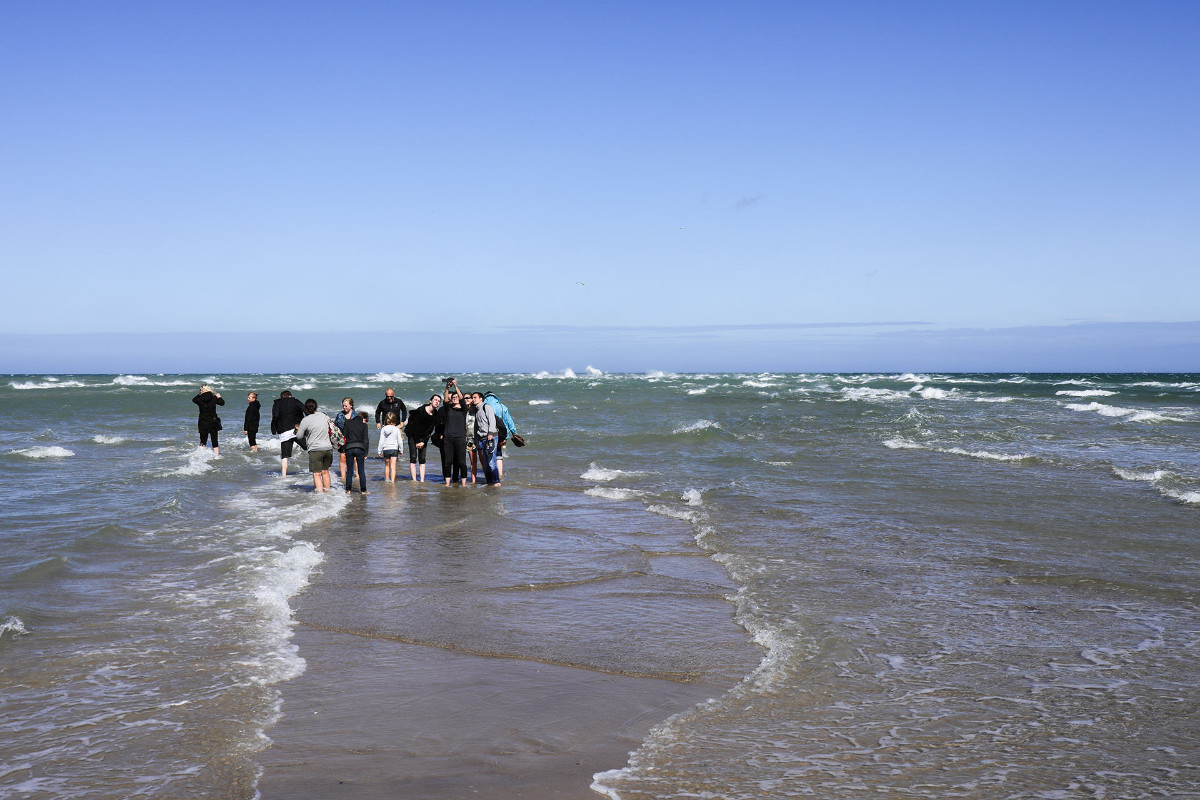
x: 375, y: 718
x: 463, y: 643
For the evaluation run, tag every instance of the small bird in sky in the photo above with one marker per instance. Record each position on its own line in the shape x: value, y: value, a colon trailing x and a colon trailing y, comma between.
x: 581, y: 283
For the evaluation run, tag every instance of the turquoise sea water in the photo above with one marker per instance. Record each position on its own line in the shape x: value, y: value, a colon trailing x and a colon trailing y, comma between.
x: 968, y: 586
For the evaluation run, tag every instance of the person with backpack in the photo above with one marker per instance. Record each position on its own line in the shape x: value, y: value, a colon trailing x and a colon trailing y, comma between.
x: 340, y: 421
x: 315, y: 429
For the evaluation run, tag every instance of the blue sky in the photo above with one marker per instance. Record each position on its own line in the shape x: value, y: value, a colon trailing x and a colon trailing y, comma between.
x: 458, y: 175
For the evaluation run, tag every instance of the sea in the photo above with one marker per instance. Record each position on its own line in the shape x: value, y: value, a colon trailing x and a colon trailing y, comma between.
x: 939, y: 585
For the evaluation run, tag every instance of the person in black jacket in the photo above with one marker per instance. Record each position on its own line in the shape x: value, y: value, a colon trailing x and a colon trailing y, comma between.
x: 358, y: 441
x: 421, y: 423
x: 286, y: 414
x: 393, y: 404
x: 250, y: 426
x: 209, y: 423
x: 452, y: 432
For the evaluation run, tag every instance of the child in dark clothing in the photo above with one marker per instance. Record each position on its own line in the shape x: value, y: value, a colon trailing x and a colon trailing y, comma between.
x: 250, y: 426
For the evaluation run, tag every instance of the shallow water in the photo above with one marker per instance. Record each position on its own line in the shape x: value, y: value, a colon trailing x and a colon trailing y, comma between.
x: 948, y: 585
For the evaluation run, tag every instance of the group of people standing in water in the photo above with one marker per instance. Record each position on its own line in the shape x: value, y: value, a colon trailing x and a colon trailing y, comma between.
x: 470, y: 430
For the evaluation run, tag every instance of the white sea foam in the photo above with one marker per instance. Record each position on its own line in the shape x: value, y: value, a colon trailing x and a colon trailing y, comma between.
x: 566, y: 374
x: 53, y: 451
x: 684, y: 514
x: 384, y: 377
x: 907, y: 444
x: 701, y: 390
x: 1161, y: 385
x: 13, y: 626
x: 698, y: 425
x: 198, y: 461
x: 994, y: 399
x: 142, y: 380
x: 1129, y: 414
x: 758, y: 384
x: 932, y: 392
x: 611, y: 493
x: 1085, y: 393
x: 693, y: 497
x: 1135, y: 475
x: 270, y: 444
x: 282, y: 580
x: 596, y: 472
x: 593, y: 372
x: 49, y: 383
x: 985, y: 454
x: 872, y: 395
x: 103, y: 439
x: 540, y: 402
x: 779, y: 463
x: 1190, y: 497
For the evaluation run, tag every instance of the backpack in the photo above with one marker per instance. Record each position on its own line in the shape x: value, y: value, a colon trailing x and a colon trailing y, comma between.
x: 336, y: 437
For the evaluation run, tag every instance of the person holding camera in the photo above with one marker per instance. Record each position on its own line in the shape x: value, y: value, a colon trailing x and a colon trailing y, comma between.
x: 452, y: 424
x: 208, y: 423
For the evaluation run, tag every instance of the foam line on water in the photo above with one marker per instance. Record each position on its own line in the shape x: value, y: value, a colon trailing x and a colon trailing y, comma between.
x: 899, y: 443
x: 53, y: 451
x: 595, y: 472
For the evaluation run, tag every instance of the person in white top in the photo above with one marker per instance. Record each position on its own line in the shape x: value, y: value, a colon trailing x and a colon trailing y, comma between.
x: 389, y: 446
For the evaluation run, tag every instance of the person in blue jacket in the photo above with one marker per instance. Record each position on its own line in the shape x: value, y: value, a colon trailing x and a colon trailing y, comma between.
x: 509, y: 429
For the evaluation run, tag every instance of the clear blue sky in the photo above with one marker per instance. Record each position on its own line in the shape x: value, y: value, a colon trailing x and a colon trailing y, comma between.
x: 236, y: 168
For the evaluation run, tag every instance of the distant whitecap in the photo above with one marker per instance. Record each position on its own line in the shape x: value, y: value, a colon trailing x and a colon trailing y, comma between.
x: 44, y: 452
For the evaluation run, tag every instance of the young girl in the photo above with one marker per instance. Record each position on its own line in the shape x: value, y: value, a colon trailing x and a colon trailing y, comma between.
x: 389, y: 446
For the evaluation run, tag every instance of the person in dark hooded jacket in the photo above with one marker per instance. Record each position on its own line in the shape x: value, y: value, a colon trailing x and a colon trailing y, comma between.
x: 421, y: 422
x: 208, y: 423
x: 250, y: 425
x: 286, y: 414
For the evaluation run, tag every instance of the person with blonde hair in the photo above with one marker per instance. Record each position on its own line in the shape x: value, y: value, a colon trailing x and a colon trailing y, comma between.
x: 208, y: 423
x: 250, y: 424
